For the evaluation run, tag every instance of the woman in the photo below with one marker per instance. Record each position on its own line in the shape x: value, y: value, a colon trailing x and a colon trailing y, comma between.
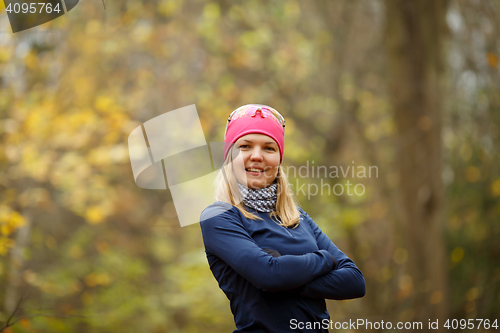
x: 274, y: 264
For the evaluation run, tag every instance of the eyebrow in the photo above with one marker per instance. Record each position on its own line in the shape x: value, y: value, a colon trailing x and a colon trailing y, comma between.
x: 266, y: 143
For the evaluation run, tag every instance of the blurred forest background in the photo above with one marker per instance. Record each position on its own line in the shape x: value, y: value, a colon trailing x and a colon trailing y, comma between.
x: 411, y: 87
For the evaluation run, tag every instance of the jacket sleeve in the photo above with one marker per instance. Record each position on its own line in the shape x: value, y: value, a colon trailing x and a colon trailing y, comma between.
x: 343, y: 282
x: 225, y: 237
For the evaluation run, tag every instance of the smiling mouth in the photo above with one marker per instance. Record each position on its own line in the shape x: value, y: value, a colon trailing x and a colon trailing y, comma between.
x: 254, y: 170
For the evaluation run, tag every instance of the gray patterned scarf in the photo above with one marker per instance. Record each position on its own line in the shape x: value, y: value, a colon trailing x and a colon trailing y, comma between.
x: 262, y: 200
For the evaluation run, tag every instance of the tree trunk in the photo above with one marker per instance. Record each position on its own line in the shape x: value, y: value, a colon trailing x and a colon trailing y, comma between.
x: 416, y: 30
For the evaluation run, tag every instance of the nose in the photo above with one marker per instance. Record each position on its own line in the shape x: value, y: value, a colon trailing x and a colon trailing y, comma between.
x: 256, y: 154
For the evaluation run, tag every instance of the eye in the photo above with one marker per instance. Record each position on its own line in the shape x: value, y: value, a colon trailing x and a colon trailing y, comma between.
x: 243, y: 146
x: 270, y: 148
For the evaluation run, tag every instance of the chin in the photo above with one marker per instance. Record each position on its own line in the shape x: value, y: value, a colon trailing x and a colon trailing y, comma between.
x: 256, y: 185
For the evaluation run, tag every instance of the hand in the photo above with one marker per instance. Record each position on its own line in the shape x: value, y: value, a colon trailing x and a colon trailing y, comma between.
x: 275, y: 253
x: 334, y: 262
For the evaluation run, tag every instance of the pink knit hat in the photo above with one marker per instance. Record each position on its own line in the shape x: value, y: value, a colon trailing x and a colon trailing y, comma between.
x: 255, y: 118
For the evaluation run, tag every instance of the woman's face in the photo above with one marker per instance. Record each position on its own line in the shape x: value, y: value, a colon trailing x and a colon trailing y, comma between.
x: 258, y: 165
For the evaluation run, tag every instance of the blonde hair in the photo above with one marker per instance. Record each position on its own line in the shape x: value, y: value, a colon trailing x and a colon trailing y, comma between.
x: 226, y: 190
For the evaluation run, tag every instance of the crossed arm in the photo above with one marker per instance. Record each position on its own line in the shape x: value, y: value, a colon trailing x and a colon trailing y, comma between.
x: 326, y: 273
x: 345, y: 281
x: 225, y: 237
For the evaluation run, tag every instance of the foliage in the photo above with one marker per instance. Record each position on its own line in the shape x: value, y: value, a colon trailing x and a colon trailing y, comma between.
x: 73, y: 89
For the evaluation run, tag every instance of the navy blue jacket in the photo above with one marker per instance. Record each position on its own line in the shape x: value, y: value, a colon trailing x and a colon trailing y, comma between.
x: 266, y: 293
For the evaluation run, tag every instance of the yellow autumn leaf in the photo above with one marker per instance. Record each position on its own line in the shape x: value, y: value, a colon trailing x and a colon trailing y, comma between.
x: 99, y: 156
x: 4, y: 54
x: 31, y: 60
x: 17, y: 220
x: 104, y: 103
x: 4, y: 213
x: 492, y: 59
x: 103, y: 279
x: 473, y: 174
x: 167, y: 8
x: 5, y: 245
x: 5, y: 229
x: 94, y: 215
x: 495, y: 188
x: 97, y: 278
x: 10, y: 221
x: 457, y: 254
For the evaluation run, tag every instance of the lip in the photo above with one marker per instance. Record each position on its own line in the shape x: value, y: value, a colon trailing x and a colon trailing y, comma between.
x: 254, y: 173
x: 256, y: 167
